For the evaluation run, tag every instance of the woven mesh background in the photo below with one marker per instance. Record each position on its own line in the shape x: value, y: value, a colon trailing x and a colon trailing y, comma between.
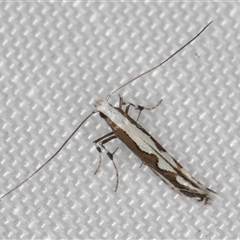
x: 56, y: 58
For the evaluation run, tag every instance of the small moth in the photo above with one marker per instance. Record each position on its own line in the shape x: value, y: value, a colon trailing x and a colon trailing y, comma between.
x: 141, y: 143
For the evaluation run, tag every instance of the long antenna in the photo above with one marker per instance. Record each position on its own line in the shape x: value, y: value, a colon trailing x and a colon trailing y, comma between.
x: 160, y: 64
x: 50, y: 157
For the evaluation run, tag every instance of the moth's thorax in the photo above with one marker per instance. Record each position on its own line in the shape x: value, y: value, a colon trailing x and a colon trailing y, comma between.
x: 106, y: 108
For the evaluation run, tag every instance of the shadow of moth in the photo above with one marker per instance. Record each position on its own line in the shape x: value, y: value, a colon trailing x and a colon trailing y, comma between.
x: 140, y: 142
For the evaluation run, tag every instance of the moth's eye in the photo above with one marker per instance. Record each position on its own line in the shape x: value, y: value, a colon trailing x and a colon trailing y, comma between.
x: 102, y: 115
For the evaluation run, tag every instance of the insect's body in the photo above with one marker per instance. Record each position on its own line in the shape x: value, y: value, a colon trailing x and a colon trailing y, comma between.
x: 141, y: 143
x: 151, y: 153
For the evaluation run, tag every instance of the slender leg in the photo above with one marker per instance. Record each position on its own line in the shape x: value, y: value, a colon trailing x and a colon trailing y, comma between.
x: 103, y: 137
x: 138, y: 107
x: 141, y: 108
x: 99, y: 143
x: 110, y: 155
x: 128, y: 104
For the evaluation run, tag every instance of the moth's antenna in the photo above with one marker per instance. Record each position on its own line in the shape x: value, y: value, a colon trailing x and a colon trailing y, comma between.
x: 50, y: 157
x: 152, y: 69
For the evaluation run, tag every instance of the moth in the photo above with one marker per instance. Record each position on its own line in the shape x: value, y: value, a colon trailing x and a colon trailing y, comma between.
x: 140, y: 142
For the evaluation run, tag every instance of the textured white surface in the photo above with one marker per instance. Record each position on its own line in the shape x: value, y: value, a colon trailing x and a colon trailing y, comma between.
x: 56, y: 58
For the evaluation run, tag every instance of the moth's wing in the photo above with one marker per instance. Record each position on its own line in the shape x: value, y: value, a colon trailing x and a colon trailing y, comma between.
x: 174, y: 175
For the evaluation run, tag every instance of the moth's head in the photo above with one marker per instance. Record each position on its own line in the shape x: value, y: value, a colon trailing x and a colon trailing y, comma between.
x: 99, y: 103
x: 103, y: 107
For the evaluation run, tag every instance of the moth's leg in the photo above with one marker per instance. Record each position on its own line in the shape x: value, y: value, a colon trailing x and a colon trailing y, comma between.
x: 138, y: 107
x: 103, y: 137
x: 122, y: 102
x: 128, y: 104
x: 141, y: 164
x: 99, y: 143
x: 110, y: 155
x: 141, y: 108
